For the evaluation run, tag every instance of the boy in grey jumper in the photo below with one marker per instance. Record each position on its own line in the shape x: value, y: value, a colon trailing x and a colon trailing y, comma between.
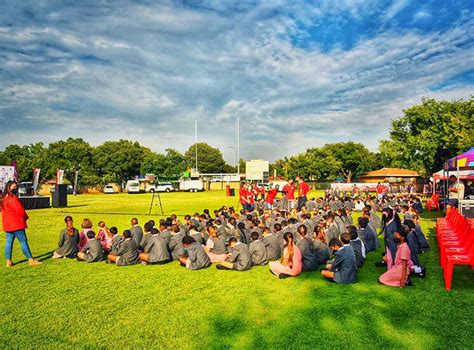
x: 92, y: 252
x: 127, y: 253
x: 156, y: 250
x: 116, y: 240
x: 258, y: 253
x: 197, y: 257
x: 238, y: 258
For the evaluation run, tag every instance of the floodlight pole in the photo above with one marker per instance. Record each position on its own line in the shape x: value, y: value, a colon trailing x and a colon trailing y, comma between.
x: 238, y: 147
x: 196, y: 148
x: 233, y: 151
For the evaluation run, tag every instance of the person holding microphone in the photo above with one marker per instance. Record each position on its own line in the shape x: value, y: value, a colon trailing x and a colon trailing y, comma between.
x: 14, y: 224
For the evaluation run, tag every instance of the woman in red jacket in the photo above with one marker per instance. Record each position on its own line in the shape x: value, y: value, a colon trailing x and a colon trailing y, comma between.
x: 14, y: 223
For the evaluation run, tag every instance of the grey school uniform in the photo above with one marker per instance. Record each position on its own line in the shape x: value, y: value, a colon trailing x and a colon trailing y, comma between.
x: 176, y: 245
x: 219, y: 245
x: 322, y: 252
x: 197, y: 237
x: 137, y: 234
x: 128, y: 253
x: 422, y: 242
x: 308, y: 257
x: 67, y: 245
x: 344, y: 266
x: 272, y: 246
x: 240, y: 257
x: 157, y: 250
x: 116, y: 242
x: 93, y: 251
x: 145, y: 239
x: 357, y: 247
x: 197, y: 257
x: 369, y: 237
x: 375, y: 221
x: 258, y: 253
x: 166, y: 235
x: 332, y: 232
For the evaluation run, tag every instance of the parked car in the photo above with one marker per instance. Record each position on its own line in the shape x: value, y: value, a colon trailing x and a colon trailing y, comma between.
x: 133, y: 186
x: 161, y: 187
x: 69, y: 189
x: 25, y: 189
x: 109, y: 189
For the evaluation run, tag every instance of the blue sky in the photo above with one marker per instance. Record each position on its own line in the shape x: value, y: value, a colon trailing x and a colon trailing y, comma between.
x: 298, y: 74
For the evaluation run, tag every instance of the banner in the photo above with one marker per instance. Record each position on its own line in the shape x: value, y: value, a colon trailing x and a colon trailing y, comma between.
x: 15, y: 171
x: 36, y: 174
x: 76, y: 174
x: 59, y: 177
x: 7, y: 173
x: 362, y: 186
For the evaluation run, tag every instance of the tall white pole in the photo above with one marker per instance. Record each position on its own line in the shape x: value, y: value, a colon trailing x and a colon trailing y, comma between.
x: 233, y: 152
x: 238, y: 147
x: 196, y: 148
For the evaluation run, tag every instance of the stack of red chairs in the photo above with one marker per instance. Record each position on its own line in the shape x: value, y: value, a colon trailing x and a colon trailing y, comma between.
x: 455, y: 235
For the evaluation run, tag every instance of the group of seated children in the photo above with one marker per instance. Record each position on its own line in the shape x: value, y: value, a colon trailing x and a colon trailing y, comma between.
x: 236, y: 241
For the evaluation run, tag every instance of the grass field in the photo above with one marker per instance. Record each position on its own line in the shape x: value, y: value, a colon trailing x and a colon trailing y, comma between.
x: 66, y: 304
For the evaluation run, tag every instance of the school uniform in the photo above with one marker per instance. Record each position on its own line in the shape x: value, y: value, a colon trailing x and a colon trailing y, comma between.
x: 128, y: 253
x: 240, y: 257
x: 258, y: 230
x: 197, y: 237
x: 197, y: 257
x: 93, y: 251
x: 422, y: 242
x: 332, y: 232
x: 375, y: 221
x: 272, y: 246
x: 145, y: 239
x: 407, y: 216
x: 258, y: 253
x: 166, y: 235
x: 414, y: 248
x: 322, y: 252
x: 359, y: 251
x: 67, y: 245
x: 369, y: 237
x: 344, y: 266
x: 390, y: 245
x: 218, y: 245
x: 309, y: 258
x: 116, y: 242
x: 176, y: 246
x: 137, y: 234
x: 157, y: 250
x: 310, y: 206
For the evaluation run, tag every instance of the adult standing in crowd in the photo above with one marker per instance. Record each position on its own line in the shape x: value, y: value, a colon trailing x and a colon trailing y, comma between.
x: 14, y: 224
x: 303, y: 190
x: 290, y: 189
x: 456, y: 192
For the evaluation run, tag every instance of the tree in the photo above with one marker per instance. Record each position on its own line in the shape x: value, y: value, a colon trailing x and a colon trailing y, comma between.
x: 314, y: 164
x: 210, y: 159
x: 428, y: 134
x: 71, y: 155
x: 27, y: 158
x: 355, y: 159
x: 119, y: 160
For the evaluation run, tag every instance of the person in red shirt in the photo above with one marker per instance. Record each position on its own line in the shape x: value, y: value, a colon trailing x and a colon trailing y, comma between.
x: 303, y: 190
x: 380, y: 189
x: 255, y: 191
x: 244, y: 194
x: 271, y: 195
x: 290, y: 189
x: 14, y: 224
x: 250, y: 198
x: 262, y: 192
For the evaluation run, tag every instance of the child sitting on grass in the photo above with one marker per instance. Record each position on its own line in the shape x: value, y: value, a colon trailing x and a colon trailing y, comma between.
x: 196, y: 258
x: 68, y: 241
x: 238, y: 258
x: 290, y: 265
x: 116, y: 240
x: 93, y: 251
x: 155, y: 249
x: 257, y: 250
x: 398, y: 275
x: 127, y: 253
x: 343, y: 268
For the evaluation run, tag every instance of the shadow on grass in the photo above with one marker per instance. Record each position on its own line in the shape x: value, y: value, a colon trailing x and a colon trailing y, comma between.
x: 42, y: 257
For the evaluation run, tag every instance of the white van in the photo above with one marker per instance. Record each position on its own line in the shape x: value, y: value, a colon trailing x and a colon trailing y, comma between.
x: 133, y: 186
x: 160, y: 187
x: 191, y: 184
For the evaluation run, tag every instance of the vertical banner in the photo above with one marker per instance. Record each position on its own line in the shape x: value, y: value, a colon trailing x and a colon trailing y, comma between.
x: 36, y: 174
x: 76, y: 174
x: 15, y: 171
x: 59, y: 177
x: 7, y: 173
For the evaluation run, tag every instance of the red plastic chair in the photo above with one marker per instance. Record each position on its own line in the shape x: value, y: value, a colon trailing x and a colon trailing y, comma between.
x: 458, y: 259
x: 456, y: 248
x: 433, y: 202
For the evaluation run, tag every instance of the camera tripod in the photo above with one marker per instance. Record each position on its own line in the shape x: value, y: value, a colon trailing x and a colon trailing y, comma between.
x: 155, y: 202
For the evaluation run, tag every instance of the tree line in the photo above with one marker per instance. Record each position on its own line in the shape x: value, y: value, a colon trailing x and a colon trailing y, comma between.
x: 422, y: 139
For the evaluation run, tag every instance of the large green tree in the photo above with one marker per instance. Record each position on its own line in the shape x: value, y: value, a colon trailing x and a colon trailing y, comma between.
x: 210, y: 159
x: 27, y: 157
x: 428, y: 134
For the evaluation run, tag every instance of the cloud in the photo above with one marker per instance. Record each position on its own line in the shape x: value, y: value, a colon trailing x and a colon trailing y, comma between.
x: 147, y: 72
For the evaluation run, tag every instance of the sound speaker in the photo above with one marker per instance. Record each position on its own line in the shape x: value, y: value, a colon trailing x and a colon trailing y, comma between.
x: 466, y: 207
x: 60, y: 196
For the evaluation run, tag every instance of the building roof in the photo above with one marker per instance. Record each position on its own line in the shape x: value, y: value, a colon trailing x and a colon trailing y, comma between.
x: 392, y: 172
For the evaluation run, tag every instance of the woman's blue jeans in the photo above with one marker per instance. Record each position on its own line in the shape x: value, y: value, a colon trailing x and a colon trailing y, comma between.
x: 21, y: 236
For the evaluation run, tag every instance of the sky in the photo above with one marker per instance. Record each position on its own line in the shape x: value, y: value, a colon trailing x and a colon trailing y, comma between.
x: 298, y: 74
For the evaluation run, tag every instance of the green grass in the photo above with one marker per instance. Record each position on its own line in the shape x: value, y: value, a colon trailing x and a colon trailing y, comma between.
x: 66, y: 304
